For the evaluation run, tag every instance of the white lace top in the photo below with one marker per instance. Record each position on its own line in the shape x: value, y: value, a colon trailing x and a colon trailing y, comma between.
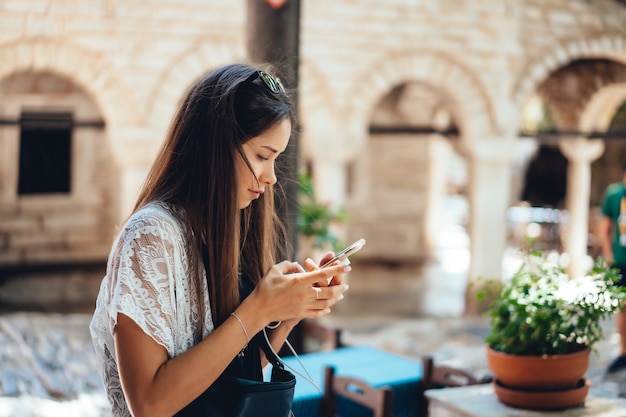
x: 148, y: 279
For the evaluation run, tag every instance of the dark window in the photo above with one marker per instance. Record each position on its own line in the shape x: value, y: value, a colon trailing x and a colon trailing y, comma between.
x: 546, y: 179
x: 45, y: 153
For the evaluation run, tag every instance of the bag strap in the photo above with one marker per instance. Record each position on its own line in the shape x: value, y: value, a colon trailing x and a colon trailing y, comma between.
x: 269, y: 352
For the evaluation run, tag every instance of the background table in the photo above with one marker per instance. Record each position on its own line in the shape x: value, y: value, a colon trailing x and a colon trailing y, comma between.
x: 375, y: 366
x: 481, y: 401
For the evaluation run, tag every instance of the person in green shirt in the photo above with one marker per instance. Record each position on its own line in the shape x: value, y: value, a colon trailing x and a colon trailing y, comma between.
x: 612, y: 231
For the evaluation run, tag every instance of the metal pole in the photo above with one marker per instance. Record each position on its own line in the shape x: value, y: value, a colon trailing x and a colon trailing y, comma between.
x: 273, y: 37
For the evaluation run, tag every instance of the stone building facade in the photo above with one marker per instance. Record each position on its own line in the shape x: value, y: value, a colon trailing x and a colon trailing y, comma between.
x: 389, y: 90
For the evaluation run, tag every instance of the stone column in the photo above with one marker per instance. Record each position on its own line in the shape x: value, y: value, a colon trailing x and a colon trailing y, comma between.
x: 273, y: 36
x: 439, y: 150
x: 580, y: 153
x: 489, y: 163
x: 330, y: 181
x: 330, y: 176
x: 134, y: 150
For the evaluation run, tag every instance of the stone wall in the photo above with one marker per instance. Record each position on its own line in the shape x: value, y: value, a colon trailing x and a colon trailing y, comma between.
x: 479, y: 60
x: 56, y: 228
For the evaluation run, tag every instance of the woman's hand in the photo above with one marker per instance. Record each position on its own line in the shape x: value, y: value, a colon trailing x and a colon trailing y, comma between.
x: 287, y: 292
x: 311, y: 266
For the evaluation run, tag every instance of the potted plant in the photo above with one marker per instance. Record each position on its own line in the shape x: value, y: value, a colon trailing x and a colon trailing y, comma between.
x: 317, y: 222
x: 544, y: 324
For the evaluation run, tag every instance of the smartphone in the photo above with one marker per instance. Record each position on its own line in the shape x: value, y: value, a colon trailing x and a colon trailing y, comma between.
x: 355, y: 247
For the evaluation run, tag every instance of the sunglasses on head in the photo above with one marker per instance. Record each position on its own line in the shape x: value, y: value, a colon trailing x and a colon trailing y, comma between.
x: 271, y: 82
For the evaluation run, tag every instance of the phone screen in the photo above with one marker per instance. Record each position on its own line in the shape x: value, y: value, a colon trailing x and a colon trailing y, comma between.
x: 355, y: 247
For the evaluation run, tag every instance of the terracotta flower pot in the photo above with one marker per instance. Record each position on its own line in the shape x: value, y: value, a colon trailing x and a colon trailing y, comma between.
x: 554, y: 372
x: 543, y: 400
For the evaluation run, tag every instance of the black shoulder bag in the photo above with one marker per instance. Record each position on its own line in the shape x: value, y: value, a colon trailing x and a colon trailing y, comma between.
x: 240, y: 391
x: 232, y: 396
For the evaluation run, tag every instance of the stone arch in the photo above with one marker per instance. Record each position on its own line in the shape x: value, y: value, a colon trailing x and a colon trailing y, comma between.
x: 316, y: 98
x: 597, y: 117
x: 169, y: 89
x: 472, y: 108
x: 536, y: 70
x: 87, y: 69
x: 600, y: 110
x: 317, y: 106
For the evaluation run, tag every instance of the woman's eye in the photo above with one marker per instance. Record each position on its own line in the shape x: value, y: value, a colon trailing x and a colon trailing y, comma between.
x: 262, y: 158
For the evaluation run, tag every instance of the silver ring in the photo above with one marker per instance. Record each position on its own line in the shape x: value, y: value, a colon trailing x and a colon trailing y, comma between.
x: 317, y: 292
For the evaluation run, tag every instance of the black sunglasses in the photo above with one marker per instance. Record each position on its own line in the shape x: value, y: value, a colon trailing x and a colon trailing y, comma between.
x: 271, y: 82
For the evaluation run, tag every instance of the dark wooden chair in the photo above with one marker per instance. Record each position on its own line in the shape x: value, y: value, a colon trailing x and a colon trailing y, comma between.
x: 318, y: 336
x: 311, y: 335
x: 379, y: 400
x: 443, y: 376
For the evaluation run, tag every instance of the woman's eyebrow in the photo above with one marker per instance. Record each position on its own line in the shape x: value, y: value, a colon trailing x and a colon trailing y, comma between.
x: 269, y: 148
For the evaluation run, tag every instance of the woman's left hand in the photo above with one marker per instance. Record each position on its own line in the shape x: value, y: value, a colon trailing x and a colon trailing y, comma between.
x: 311, y: 266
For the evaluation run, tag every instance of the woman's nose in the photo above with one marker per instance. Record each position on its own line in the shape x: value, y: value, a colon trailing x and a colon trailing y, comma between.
x: 268, y: 176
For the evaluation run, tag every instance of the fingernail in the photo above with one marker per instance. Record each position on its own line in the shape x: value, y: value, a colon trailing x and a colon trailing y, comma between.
x: 346, y: 287
x: 341, y: 297
x: 347, y: 268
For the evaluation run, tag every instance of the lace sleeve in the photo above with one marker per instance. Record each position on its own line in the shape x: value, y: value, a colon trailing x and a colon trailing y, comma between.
x: 150, y: 266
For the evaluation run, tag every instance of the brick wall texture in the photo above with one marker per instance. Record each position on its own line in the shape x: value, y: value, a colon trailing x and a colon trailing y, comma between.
x: 132, y: 60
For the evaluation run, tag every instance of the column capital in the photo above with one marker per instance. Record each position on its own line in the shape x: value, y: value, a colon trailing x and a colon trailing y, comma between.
x: 580, y: 149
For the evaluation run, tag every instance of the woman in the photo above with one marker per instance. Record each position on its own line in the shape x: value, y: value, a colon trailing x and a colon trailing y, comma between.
x: 173, y: 310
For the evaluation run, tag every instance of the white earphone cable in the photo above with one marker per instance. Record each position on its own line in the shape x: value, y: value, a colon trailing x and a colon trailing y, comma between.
x: 308, y: 377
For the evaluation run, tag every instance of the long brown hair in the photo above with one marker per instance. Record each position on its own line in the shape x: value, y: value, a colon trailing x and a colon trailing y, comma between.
x: 195, y: 171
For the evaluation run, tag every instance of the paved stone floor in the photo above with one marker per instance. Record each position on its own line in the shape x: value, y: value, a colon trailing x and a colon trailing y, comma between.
x: 426, y: 316
x: 459, y: 342
x: 48, y: 367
